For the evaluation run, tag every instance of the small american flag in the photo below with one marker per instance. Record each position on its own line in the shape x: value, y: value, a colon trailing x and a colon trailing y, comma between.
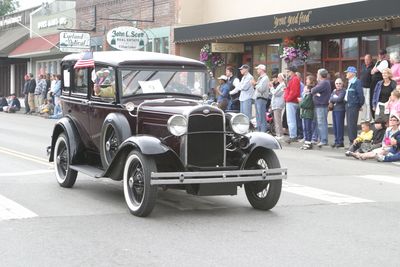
x: 85, y: 61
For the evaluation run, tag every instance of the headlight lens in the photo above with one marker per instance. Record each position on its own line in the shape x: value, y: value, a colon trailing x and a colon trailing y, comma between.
x: 177, y: 125
x: 240, y: 123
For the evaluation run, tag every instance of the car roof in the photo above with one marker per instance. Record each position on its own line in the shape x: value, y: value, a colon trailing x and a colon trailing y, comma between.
x: 121, y: 58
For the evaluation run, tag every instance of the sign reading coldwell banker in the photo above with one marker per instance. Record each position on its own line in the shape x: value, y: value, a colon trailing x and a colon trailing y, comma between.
x: 74, y: 42
x: 127, y: 38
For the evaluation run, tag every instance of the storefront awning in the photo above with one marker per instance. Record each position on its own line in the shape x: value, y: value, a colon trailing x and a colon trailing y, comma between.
x: 37, y: 46
x: 345, y: 14
x: 10, y: 38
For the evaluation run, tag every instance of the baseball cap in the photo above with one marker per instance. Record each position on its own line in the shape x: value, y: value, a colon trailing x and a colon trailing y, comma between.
x: 395, y: 116
x: 292, y: 68
x: 351, y: 69
x: 223, y: 77
x: 261, y: 66
x: 244, y: 66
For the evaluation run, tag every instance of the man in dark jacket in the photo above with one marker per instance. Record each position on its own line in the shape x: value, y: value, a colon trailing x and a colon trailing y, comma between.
x: 365, y: 78
x: 31, y: 93
x: 354, y: 100
x: 25, y: 91
x: 321, y: 94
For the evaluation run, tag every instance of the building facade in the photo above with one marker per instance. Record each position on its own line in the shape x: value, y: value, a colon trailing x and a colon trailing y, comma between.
x: 339, y: 33
x: 154, y: 17
x: 14, y: 30
x: 42, y: 49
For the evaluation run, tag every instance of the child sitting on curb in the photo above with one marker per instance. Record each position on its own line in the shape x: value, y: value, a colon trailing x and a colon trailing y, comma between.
x: 365, y: 136
x: 394, y: 152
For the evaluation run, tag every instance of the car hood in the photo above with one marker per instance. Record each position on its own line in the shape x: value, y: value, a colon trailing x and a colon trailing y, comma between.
x: 169, y: 106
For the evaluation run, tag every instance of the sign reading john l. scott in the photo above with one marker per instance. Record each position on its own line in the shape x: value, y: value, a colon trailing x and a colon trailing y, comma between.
x: 74, y: 41
x: 127, y: 38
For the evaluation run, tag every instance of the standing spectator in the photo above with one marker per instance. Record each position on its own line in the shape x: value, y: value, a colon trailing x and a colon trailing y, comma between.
x: 52, y: 84
x: 212, y: 85
x: 338, y: 111
x: 321, y: 94
x: 278, y: 103
x: 382, y: 92
x: 299, y: 121
x: 307, y: 112
x: 395, y: 61
x: 261, y: 94
x: 25, y: 91
x: 48, y: 85
x: 246, y: 91
x: 40, y: 91
x: 365, y: 78
x: 57, y: 91
x: 376, y: 72
x: 222, y: 92
x: 354, y: 100
x: 233, y: 82
x: 291, y: 95
x: 31, y: 93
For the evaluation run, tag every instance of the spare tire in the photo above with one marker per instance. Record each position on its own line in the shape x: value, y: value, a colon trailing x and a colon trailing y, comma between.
x: 114, y: 131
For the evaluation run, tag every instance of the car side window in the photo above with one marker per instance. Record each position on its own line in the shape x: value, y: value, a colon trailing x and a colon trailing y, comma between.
x: 104, y: 83
x: 80, y: 81
x: 66, y: 79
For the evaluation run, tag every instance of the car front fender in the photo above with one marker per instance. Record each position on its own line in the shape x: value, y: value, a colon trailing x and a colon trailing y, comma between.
x: 257, y: 139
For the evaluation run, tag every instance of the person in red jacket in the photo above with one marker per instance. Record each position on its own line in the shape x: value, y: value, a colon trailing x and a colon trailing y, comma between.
x: 291, y: 95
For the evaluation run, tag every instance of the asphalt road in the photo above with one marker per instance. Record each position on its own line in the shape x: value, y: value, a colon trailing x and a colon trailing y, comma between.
x: 334, y: 211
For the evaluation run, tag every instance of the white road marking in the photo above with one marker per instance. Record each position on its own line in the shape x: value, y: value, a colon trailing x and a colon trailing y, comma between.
x: 382, y: 178
x: 24, y: 156
x: 25, y: 173
x: 321, y: 194
x: 11, y: 210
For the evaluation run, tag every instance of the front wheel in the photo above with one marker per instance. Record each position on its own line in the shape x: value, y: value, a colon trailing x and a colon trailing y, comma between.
x: 66, y: 177
x: 140, y: 196
x: 263, y: 195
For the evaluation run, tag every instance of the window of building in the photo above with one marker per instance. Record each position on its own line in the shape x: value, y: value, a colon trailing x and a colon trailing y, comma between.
x: 314, y: 63
x: 391, y: 42
x: 165, y: 45
x: 369, y: 45
x: 268, y: 55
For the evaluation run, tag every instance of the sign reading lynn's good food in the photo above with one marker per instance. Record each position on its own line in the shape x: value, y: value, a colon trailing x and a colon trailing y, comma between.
x: 74, y: 41
x: 127, y: 38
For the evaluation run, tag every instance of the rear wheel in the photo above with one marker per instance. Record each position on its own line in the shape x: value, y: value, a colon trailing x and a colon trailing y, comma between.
x: 66, y: 177
x: 263, y: 195
x: 140, y: 196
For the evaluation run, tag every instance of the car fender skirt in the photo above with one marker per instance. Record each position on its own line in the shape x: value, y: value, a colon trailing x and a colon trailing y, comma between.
x: 67, y: 126
x: 257, y: 139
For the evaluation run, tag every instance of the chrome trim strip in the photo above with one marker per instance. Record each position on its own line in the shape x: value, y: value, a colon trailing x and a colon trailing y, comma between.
x: 217, y: 176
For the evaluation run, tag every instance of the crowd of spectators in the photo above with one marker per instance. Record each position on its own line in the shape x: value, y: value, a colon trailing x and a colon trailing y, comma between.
x: 301, y: 110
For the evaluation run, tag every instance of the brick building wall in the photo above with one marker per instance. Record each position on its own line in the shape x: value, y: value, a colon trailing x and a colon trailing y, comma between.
x: 164, y: 15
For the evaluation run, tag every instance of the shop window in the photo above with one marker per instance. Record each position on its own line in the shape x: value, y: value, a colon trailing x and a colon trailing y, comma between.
x: 314, y: 63
x: 149, y: 45
x: 333, y: 48
x: 369, y: 45
x: 332, y: 67
x: 350, y: 47
x: 391, y: 42
x: 267, y: 55
x: 157, y: 45
x: 165, y: 45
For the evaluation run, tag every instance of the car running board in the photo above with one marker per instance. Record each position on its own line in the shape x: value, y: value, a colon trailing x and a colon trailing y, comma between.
x: 88, y: 170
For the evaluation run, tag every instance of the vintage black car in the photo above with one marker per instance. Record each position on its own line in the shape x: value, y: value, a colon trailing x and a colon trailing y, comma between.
x: 142, y: 118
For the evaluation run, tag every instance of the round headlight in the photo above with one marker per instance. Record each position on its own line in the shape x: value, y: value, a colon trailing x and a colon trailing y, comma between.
x: 240, y: 123
x: 177, y: 125
x: 130, y: 106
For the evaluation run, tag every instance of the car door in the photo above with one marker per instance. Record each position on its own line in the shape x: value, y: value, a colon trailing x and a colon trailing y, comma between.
x: 103, y: 100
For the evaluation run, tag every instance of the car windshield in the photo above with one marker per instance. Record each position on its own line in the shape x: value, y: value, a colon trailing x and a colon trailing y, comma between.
x: 136, y: 82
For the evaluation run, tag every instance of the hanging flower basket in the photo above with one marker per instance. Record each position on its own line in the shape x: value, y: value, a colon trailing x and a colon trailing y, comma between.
x: 211, y: 60
x: 294, y: 48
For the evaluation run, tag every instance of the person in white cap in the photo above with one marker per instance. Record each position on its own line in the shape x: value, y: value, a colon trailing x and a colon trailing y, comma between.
x: 261, y: 95
x: 246, y: 91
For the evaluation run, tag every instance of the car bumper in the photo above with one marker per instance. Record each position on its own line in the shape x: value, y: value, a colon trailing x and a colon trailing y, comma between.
x: 207, y: 177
